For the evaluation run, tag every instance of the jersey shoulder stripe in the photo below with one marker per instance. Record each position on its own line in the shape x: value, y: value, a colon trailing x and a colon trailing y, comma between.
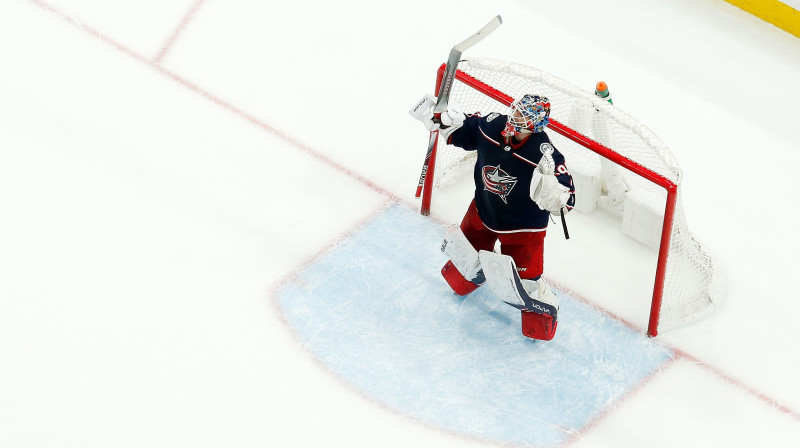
x: 483, y: 133
x: 524, y: 159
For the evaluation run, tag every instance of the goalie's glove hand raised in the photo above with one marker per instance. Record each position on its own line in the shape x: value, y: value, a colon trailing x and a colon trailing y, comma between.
x: 548, y: 193
x: 449, y: 121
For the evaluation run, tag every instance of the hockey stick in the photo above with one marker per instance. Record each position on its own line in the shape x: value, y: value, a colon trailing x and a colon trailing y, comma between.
x: 443, y: 97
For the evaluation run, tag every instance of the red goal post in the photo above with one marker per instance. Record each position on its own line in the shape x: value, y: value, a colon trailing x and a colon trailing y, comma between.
x: 684, y: 288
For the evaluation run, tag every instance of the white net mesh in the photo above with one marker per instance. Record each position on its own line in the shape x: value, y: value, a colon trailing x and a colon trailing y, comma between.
x: 689, y: 292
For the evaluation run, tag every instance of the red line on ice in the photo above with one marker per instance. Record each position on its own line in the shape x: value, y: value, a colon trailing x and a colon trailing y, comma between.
x: 220, y: 102
x: 186, y: 19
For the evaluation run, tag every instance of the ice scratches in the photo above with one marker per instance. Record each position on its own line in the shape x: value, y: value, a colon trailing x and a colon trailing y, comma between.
x: 376, y: 311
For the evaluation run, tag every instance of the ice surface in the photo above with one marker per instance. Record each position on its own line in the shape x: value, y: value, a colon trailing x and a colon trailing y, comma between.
x: 376, y: 311
x: 155, y: 202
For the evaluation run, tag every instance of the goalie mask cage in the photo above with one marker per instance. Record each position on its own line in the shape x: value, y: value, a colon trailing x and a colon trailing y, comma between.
x: 685, y: 282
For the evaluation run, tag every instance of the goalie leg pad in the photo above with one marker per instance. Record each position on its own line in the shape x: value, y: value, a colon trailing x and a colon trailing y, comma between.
x: 538, y: 326
x: 500, y: 271
x: 463, y: 272
x: 462, y: 255
x: 457, y: 282
x: 538, y: 305
x: 503, y: 279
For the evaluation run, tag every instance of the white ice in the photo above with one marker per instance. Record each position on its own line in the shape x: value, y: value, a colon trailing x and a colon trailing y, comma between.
x: 166, y: 166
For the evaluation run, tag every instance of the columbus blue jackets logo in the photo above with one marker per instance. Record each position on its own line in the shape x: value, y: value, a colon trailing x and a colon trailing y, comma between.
x: 497, y: 181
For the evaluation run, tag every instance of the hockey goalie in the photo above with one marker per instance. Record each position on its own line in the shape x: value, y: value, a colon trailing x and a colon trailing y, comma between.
x: 520, y: 180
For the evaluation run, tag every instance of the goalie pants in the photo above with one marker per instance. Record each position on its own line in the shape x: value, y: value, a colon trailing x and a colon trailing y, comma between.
x: 526, y: 248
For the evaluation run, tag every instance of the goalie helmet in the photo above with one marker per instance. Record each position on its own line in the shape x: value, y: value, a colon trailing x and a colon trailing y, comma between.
x: 529, y: 113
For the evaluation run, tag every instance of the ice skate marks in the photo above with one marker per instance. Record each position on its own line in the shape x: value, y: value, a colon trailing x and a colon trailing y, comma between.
x: 376, y: 311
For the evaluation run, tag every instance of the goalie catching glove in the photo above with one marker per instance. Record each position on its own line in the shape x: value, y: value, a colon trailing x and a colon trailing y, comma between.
x: 548, y: 193
x: 449, y: 120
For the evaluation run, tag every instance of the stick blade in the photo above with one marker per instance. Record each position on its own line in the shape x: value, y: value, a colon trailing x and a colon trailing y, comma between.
x: 477, y: 37
x: 455, y: 56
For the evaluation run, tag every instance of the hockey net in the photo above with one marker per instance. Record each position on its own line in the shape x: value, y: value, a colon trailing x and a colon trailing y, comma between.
x: 617, y: 164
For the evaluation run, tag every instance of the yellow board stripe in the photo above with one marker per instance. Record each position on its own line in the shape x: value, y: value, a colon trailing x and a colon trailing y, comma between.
x: 779, y: 14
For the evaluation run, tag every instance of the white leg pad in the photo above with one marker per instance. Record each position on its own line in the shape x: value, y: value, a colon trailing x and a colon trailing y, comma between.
x: 499, y: 270
x: 503, y: 279
x: 462, y: 254
x: 539, y: 290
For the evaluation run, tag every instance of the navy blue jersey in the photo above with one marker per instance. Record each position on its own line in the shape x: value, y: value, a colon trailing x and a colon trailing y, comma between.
x: 503, y: 174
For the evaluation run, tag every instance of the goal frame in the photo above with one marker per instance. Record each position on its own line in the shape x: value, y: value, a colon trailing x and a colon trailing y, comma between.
x: 600, y: 149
